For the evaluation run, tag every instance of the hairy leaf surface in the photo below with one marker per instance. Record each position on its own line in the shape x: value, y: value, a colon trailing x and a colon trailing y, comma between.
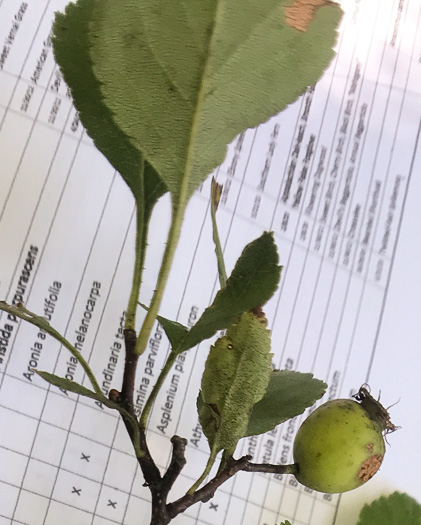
x: 288, y: 394
x: 71, y: 44
x: 236, y: 377
x: 182, y: 79
x: 251, y: 284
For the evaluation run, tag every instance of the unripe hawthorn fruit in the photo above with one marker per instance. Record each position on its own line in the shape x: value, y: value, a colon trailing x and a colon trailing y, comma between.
x: 340, y: 445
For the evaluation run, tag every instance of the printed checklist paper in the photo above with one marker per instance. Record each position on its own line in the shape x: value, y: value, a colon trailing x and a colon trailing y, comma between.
x: 336, y: 177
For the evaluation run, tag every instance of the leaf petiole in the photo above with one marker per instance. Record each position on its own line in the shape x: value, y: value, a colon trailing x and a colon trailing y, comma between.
x: 172, y: 241
x: 208, y: 468
x: 143, y: 421
x: 140, y: 251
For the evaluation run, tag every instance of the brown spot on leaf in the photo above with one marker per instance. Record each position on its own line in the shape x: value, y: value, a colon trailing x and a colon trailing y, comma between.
x: 369, y: 467
x: 301, y: 12
x: 258, y: 312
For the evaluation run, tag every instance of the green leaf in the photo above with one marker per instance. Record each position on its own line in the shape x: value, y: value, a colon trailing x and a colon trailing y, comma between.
x: 251, y: 284
x: 72, y: 386
x: 182, y: 79
x: 286, y: 522
x: 289, y: 393
x: 71, y: 44
x: 176, y: 332
x: 396, y: 509
x: 235, y: 378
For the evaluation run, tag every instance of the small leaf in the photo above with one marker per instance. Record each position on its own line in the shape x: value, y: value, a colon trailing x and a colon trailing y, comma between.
x: 175, y: 331
x: 76, y: 388
x: 235, y: 378
x: 398, y: 508
x: 72, y: 386
x: 183, y: 79
x: 251, y: 284
x: 289, y: 393
x: 71, y: 44
x: 286, y: 522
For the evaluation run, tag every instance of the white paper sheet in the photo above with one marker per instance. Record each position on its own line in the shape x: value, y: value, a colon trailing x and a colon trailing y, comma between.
x: 337, y: 178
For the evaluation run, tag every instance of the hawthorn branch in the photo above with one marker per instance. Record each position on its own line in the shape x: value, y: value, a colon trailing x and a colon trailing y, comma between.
x: 234, y: 465
x: 130, y: 365
x: 149, y: 469
x: 160, y: 490
x: 125, y: 398
x: 178, y: 460
x: 271, y: 469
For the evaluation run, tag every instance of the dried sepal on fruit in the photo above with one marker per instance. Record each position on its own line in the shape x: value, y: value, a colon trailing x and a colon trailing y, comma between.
x: 375, y: 409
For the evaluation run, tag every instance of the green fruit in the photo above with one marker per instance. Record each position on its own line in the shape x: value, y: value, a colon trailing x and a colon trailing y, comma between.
x: 340, y: 445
